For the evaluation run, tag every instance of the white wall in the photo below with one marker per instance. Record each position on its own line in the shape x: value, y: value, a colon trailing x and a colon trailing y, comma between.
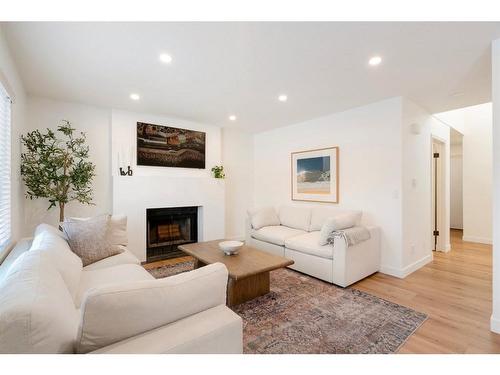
x: 495, y: 63
x: 475, y: 123
x: 12, y: 81
x: 456, y: 191
x: 418, y: 128
x: 124, y: 135
x: 152, y: 187
x: 478, y: 174
x: 95, y: 122
x: 237, y: 158
x: 369, y: 139
x: 108, y: 132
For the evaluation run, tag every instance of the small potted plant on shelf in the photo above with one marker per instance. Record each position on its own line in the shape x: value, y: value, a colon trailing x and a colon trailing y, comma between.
x: 218, y: 171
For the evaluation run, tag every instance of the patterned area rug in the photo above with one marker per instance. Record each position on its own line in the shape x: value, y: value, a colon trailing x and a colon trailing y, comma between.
x: 302, y: 314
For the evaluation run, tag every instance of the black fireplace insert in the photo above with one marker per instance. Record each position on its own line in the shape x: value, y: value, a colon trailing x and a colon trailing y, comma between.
x: 167, y: 228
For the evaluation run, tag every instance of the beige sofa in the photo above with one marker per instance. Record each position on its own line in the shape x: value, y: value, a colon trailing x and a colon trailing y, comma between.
x: 49, y: 303
x: 295, y: 235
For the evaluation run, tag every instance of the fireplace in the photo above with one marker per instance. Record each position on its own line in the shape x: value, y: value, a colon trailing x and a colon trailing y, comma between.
x: 167, y: 228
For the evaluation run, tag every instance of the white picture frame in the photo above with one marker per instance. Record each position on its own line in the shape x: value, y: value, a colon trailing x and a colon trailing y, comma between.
x: 315, y: 175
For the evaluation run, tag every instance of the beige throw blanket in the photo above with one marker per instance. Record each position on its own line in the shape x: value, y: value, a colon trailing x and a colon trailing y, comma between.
x: 352, y: 236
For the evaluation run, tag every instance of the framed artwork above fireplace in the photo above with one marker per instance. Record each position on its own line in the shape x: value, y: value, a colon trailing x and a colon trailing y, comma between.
x: 166, y: 146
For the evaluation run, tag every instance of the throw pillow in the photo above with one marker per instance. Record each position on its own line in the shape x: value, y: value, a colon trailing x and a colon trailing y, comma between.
x: 263, y: 217
x: 89, y: 239
x: 338, y: 222
x: 117, y: 228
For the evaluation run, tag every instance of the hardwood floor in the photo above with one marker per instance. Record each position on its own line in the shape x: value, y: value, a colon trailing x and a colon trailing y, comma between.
x: 166, y: 262
x: 455, y: 291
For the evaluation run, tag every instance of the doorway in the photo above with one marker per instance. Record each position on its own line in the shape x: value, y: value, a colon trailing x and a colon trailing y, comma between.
x: 456, y: 182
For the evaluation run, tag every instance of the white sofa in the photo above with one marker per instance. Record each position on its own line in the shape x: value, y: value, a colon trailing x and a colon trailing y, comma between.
x: 297, y: 237
x: 49, y: 303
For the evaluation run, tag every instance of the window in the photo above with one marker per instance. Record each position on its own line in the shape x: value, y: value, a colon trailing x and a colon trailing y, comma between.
x: 5, y: 229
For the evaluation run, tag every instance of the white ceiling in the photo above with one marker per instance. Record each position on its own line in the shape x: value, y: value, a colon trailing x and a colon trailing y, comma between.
x: 240, y: 68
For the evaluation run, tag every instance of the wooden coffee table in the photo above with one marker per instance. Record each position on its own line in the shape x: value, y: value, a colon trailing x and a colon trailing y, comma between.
x: 248, y: 270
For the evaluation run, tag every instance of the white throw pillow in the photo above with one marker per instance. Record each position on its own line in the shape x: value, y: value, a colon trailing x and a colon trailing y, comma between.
x: 338, y: 222
x: 320, y: 213
x: 263, y: 217
x: 117, y: 228
x: 89, y: 239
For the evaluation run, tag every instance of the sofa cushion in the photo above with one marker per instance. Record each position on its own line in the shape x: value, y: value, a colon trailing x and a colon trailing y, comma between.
x: 21, y: 247
x: 49, y: 228
x: 308, y: 244
x: 263, y: 217
x: 69, y: 265
x: 295, y: 217
x: 320, y: 214
x: 126, y: 257
x: 37, y: 313
x: 108, y: 276
x: 276, y: 234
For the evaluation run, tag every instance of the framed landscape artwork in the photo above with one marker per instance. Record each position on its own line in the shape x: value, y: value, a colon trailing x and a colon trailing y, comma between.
x: 315, y: 175
x: 165, y: 146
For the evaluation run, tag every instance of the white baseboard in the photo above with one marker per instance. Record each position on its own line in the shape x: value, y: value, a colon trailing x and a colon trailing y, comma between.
x: 495, y: 324
x: 403, y: 272
x: 446, y: 248
x: 485, y: 240
x: 392, y: 271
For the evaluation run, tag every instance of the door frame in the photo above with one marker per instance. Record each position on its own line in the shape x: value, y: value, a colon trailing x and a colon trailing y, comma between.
x: 441, y: 185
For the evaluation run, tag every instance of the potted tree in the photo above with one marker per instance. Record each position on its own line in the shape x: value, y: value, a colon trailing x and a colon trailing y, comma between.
x: 55, y: 166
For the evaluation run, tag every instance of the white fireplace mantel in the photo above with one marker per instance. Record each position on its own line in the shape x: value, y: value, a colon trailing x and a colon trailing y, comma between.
x: 132, y: 195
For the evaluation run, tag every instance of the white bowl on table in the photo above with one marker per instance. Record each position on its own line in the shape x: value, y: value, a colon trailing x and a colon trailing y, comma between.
x: 230, y: 247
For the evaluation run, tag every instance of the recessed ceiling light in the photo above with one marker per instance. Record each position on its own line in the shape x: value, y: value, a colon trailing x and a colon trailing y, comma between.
x: 232, y: 118
x: 134, y: 96
x: 165, y: 58
x: 282, y: 98
x: 375, y: 60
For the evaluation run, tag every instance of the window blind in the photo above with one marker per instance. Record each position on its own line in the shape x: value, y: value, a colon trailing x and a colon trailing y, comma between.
x: 5, y: 167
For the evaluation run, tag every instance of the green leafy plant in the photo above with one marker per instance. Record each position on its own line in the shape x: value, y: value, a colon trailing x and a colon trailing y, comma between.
x: 57, y: 169
x: 218, y: 171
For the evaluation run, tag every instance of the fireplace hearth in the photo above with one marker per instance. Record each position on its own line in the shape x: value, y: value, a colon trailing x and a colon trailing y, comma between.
x: 167, y: 228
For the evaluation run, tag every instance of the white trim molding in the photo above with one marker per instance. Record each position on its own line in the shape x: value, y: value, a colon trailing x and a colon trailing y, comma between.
x: 403, y: 272
x: 446, y: 249
x: 484, y: 240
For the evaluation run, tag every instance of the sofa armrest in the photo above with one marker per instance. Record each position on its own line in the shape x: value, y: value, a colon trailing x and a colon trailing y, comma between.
x: 116, y: 312
x: 351, y: 264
